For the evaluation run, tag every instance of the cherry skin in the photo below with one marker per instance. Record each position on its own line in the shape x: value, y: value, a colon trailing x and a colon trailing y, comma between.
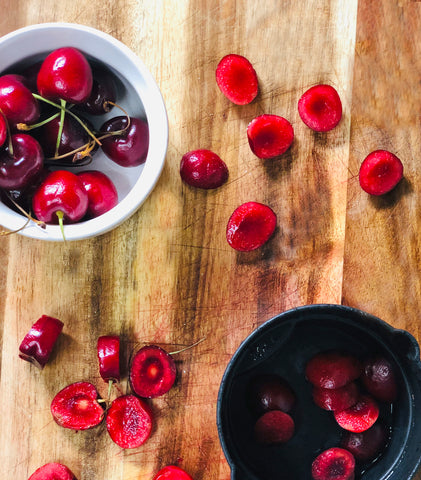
x: 172, y: 472
x: 203, y: 169
x: 60, y: 194
x: 130, y: 148
x: 65, y: 74
x: 101, y: 191
x: 103, y: 91
x: 19, y: 169
x: 3, y: 130
x: 16, y: 101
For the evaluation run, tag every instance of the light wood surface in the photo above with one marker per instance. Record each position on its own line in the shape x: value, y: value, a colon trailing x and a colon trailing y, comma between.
x: 167, y: 275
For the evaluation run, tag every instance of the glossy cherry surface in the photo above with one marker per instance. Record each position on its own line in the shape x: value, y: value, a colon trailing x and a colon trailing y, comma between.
x: 203, y: 169
x: 108, y: 351
x: 65, y: 74
x: 62, y: 191
x: 52, y: 471
x: 102, y: 193
x: 16, y: 101
x: 38, y: 343
x: 3, y: 130
x: 103, y: 91
x: 19, y: 169
x: 172, y: 472
x: 130, y: 148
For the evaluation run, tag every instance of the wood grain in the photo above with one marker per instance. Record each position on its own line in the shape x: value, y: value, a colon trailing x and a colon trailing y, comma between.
x: 167, y: 275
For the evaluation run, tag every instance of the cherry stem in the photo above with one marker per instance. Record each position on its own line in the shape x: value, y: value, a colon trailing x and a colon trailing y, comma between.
x: 60, y: 125
x: 110, y: 387
x: 27, y: 215
x: 60, y: 216
x: 187, y: 348
x: 4, y: 233
x: 24, y: 127
x: 67, y: 110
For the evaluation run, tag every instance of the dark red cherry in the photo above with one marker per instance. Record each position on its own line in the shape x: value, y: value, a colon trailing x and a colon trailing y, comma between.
x: 16, y: 101
x: 65, y: 74
x: 379, y: 379
x: 73, y: 136
x: 19, y: 169
x: 131, y: 147
x: 60, y: 194
x: 30, y: 75
x: 366, y: 446
x: 3, y: 130
x: 270, y: 392
x: 103, y: 91
x: 101, y: 191
x: 203, y: 169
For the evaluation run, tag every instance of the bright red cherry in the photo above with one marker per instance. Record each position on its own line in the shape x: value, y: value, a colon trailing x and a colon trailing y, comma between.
x: 3, y: 130
x: 61, y: 194
x: 16, y: 101
x: 101, y: 191
x: 17, y: 170
x: 65, y: 74
x: 129, y: 149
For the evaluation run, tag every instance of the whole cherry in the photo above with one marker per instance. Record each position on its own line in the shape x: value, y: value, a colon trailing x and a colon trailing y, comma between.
x: 16, y: 101
x: 130, y: 148
x: 65, y: 74
x: 20, y: 162
x: 103, y: 94
x: 3, y: 130
x: 102, y: 193
x: 61, y: 198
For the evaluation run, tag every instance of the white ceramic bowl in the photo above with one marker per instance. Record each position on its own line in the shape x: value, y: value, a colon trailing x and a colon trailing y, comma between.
x: 137, y: 93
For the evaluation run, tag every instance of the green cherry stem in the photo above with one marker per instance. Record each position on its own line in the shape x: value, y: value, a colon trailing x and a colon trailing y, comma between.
x: 61, y: 125
x: 24, y: 127
x: 60, y: 216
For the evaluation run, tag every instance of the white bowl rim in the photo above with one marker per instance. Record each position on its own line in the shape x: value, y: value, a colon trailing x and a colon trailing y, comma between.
x: 156, y: 114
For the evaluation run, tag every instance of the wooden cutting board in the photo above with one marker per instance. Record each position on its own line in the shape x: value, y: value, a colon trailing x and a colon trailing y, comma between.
x: 167, y: 275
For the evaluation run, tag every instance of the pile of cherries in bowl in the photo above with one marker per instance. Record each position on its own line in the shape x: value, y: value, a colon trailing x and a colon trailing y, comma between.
x: 51, y: 123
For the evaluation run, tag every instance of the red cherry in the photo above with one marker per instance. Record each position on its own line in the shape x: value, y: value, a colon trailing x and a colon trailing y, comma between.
x: 102, y: 194
x: 171, y: 472
x: 3, y: 130
x: 108, y: 351
x: 65, y: 74
x: 320, y: 108
x: 103, y: 91
x: 130, y: 148
x: 52, y: 471
x: 269, y: 136
x: 16, y: 101
x: 250, y: 226
x: 61, y: 193
x: 19, y: 169
x: 203, y: 169
x: 380, y: 172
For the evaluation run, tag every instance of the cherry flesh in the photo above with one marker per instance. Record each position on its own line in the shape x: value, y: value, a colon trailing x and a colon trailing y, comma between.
x: 270, y: 392
x: 16, y: 101
x: 52, y: 471
x: 274, y: 427
x: 172, y: 472
x: 17, y: 170
x: 152, y: 372
x: 269, y: 136
x: 76, y: 407
x: 360, y: 417
x: 108, y: 351
x: 102, y: 193
x: 380, y: 172
x: 65, y: 74
x: 333, y: 464
x: 320, y: 108
x: 61, y: 194
x: 129, y: 421
x: 130, y: 148
x: 250, y: 226
x: 38, y: 343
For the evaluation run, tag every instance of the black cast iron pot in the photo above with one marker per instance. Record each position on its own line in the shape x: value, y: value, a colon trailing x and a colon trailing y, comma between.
x: 283, y: 345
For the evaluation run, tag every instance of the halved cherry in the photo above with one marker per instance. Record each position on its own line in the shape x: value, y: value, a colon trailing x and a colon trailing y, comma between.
x: 334, y: 464
x: 380, y: 172
x: 152, y: 372
x: 320, y: 108
x: 52, y: 471
x: 76, y: 407
x: 336, y: 398
x: 129, y: 421
x: 38, y: 343
x: 250, y: 226
x: 360, y: 417
x: 269, y: 136
x: 274, y: 427
x: 367, y: 445
x: 332, y: 369
x: 171, y: 472
x: 380, y: 379
x: 108, y: 350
